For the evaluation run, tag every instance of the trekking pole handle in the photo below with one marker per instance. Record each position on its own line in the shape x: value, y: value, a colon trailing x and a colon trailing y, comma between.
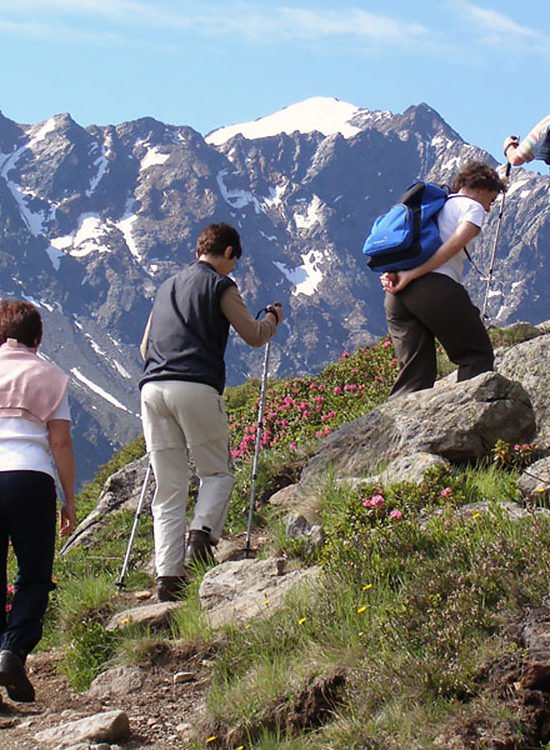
x: 270, y: 309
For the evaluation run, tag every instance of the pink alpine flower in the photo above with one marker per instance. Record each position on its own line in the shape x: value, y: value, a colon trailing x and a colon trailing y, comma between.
x: 447, y: 492
x: 396, y: 514
x: 376, y: 501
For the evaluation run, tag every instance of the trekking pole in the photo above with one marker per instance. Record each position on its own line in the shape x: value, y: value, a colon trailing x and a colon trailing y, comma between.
x: 259, y: 430
x: 139, y: 508
x: 494, y: 252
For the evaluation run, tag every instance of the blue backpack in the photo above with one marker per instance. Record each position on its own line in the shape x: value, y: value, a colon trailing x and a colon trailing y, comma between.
x: 407, y: 235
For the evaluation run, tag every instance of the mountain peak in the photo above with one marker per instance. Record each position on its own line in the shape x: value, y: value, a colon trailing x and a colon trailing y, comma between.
x: 324, y: 114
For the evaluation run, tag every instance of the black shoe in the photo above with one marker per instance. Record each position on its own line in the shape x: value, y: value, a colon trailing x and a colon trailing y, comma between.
x: 14, y: 678
x: 170, y: 588
x: 199, y: 548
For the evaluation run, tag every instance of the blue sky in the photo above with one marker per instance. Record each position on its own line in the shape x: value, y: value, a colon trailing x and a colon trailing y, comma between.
x: 484, y: 65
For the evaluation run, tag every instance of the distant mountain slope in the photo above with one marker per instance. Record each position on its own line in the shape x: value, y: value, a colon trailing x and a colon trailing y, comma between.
x: 93, y: 219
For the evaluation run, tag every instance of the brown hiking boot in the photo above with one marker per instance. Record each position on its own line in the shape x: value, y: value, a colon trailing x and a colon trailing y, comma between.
x: 14, y: 678
x: 171, y: 588
x: 199, y: 548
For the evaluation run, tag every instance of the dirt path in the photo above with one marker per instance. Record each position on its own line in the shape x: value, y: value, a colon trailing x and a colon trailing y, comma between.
x: 162, y: 713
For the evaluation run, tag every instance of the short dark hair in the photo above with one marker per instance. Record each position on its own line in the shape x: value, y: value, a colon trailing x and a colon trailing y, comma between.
x: 477, y: 174
x: 20, y: 320
x: 216, y: 238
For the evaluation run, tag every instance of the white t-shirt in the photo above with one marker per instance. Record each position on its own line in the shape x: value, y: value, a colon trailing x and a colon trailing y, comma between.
x: 24, y: 443
x: 457, y: 209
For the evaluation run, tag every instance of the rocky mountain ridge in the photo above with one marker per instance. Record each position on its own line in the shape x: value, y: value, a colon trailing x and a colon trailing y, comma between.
x: 93, y: 219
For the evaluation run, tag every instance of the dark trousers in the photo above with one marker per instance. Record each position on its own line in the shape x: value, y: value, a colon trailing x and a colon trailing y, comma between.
x: 435, y: 307
x: 28, y: 519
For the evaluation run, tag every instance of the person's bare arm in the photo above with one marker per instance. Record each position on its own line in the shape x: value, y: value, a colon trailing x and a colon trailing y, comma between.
x: 254, y: 332
x: 143, y: 345
x: 61, y: 445
x: 514, y: 153
x: 464, y: 233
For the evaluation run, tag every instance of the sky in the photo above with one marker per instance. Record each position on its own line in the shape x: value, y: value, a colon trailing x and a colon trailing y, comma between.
x: 484, y: 65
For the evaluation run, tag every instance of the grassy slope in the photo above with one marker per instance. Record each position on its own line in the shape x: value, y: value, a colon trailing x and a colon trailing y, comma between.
x: 412, y: 613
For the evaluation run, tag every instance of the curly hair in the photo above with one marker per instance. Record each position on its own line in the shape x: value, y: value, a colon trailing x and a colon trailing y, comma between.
x: 20, y: 320
x: 216, y: 238
x: 477, y: 174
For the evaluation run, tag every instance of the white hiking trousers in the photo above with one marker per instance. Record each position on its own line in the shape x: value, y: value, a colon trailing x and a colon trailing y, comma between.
x: 179, y: 419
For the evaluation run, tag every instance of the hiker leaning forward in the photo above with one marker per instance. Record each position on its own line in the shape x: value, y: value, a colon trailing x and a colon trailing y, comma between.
x: 34, y: 428
x: 181, y: 400
x: 429, y: 302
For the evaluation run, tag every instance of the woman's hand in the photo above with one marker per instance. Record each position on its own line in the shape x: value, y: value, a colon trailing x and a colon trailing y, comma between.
x: 393, y: 283
x: 388, y: 280
x: 67, y: 520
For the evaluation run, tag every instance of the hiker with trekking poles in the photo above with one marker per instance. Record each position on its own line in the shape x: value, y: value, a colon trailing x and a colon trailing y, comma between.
x: 535, y: 145
x: 429, y: 302
x: 35, y: 448
x: 181, y: 400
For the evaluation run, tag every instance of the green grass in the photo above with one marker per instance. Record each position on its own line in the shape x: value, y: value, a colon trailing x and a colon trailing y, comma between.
x: 411, y: 609
x: 419, y: 614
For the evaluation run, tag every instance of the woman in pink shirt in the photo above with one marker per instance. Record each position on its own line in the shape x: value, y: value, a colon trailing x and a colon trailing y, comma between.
x: 35, y: 444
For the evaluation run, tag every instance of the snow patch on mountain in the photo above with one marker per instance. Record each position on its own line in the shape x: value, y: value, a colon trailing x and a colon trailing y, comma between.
x: 55, y: 255
x: 306, y: 277
x: 101, y: 164
x: 98, y: 390
x: 312, y: 215
x: 40, y: 131
x: 515, y: 185
x: 121, y: 369
x: 38, y: 302
x: 325, y: 115
x: 125, y: 226
x: 275, y: 197
x: 234, y: 197
x: 84, y: 240
x: 33, y: 220
x: 153, y: 157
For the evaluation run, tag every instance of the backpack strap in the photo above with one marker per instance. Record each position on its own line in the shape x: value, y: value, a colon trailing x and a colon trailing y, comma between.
x: 476, y: 268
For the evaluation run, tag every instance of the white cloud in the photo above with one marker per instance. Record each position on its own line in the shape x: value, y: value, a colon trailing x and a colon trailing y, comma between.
x: 348, y: 22
x: 104, y: 21
x: 497, y: 28
x: 247, y: 19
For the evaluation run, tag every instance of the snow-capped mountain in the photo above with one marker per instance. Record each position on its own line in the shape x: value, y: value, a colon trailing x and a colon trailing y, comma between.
x: 318, y: 114
x: 93, y: 219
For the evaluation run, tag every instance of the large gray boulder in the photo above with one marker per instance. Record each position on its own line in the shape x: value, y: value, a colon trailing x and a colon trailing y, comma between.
x: 529, y: 364
x: 121, y: 490
x: 460, y: 422
x: 104, y: 727
x: 249, y: 589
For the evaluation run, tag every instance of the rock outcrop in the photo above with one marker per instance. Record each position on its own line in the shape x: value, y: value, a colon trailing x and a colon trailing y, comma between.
x: 241, y: 590
x: 529, y: 363
x: 122, y: 489
x: 460, y: 422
